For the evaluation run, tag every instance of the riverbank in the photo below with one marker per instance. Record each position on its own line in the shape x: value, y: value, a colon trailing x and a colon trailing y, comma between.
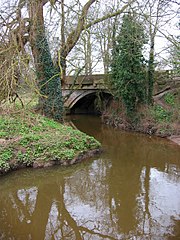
x: 148, y: 129
x: 160, y: 120
x: 175, y: 139
x: 31, y: 140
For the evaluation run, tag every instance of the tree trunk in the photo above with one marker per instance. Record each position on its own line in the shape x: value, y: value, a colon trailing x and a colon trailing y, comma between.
x: 151, y: 72
x: 88, y: 52
x: 62, y: 57
x: 50, y: 100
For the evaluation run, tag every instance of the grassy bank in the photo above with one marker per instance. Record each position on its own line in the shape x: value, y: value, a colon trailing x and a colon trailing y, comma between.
x: 162, y: 119
x: 31, y: 140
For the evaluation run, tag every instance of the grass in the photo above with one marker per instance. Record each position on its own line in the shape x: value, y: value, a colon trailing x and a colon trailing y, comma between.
x: 27, y: 138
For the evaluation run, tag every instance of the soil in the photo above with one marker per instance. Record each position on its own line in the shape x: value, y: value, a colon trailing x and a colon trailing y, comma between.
x: 175, y: 139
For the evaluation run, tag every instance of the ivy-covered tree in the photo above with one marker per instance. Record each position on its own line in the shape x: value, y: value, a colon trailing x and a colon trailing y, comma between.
x: 23, y: 22
x: 128, y: 64
x: 48, y: 77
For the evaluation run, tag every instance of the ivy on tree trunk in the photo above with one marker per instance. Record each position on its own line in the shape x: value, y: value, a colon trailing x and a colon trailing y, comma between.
x: 128, y: 65
x: 48, y: 79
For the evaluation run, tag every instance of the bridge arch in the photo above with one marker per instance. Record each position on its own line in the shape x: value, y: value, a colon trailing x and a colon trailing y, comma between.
x: 86, y: 101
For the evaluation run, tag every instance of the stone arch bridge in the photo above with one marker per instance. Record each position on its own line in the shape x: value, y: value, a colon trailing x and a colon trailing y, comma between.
x: 86, y: 94
x: 90, y: 94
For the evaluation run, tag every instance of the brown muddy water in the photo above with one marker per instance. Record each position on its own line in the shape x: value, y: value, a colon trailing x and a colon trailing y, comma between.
x: 130, y: 191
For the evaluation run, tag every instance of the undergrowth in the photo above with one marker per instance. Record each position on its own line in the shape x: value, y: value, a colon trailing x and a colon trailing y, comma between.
x: 26, y: 137
x: 162, y: 119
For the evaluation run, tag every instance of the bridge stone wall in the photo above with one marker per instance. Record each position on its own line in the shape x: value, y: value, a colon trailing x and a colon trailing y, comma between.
x: 77, y: 88
x: 100, y: 81
x: 97, y: 81
x: 72, y: 98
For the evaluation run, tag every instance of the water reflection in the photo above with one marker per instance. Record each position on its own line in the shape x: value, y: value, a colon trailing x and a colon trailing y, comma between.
x: 26, y: 198
x: 130, y: 192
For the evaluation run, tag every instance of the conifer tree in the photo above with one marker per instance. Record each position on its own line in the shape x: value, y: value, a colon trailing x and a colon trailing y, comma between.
x: 128, y: 64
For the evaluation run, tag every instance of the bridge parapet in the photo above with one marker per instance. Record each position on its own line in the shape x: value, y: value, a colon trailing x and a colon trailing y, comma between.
x: 97, y: 81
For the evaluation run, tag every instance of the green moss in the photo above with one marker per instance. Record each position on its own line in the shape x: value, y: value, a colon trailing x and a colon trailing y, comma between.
x: 28, y: 138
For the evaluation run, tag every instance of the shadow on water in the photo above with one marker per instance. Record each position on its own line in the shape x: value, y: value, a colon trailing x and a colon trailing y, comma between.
x: 130, y: 192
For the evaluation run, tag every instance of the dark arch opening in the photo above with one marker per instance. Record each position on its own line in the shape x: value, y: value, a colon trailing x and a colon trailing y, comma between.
x: 94, y: 103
